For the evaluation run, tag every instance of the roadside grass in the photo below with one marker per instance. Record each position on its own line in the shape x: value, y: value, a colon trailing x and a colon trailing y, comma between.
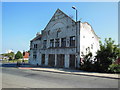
x: 13, y: 61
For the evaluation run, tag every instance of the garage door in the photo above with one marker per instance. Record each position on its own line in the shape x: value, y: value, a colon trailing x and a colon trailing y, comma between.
x: 43, y: 59
x: 60, y: 60
x: 51, y: 60
x: 72, y: 61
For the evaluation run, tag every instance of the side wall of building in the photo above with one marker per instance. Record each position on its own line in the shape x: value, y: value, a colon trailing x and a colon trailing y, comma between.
x: 89, y: 41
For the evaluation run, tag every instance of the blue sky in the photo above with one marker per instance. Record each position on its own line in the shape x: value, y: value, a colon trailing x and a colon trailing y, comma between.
x: 22, y: 20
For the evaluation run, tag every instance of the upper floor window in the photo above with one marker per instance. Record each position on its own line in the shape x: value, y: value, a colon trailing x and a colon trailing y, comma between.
x: 35, y: 45
x: 44, y: 43
x: 72, y: 41
x: 48, y: 32
x: 52, y: 43
x: 91, y: 46
x: 34, y: 55
x: 56, y: 42
x: 63, y: 42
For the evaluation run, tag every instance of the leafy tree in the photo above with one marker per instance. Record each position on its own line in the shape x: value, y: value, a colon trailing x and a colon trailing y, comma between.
x: 105, y: 59
x: 114, y: 68
x: 108, y: 53
x: 10, y: 55
x: 18, y: 55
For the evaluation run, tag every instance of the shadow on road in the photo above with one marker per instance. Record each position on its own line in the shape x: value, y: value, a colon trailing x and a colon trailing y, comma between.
x: 15, y: 65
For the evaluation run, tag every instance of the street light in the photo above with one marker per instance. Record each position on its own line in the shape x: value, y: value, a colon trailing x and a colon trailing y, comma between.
x: 76, y: 11
x: 76, y: 35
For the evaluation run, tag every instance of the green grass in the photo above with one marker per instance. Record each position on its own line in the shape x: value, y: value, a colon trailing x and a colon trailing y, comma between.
x: 13, y: 61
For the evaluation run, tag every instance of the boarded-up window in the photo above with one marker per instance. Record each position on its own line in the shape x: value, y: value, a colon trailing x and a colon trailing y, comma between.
x: 72, y: 61
x: 60, y: 60
x: 51, y: 60
x: 72, y: 41
x: 63, y: 42
x: 43, y: 59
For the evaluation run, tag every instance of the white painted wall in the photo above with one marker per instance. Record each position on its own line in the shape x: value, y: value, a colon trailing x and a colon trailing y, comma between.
x: 88, y: 38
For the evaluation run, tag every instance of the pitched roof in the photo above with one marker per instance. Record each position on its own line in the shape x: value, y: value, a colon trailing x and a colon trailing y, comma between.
x: 26, y: 55
x: 58, y: 10
x: 37, y: 37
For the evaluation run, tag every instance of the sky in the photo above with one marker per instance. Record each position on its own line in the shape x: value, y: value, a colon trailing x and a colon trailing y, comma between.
x: 22, y: 20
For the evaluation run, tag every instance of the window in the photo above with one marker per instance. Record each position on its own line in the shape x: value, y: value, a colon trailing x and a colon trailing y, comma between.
x: 34, y: 55
x: 72, y: 41
x: 52, y: 43
x: 48, y: 32
x: 63, y: 42
x: 58, y: 31
x: 35, y: 45
x: 91, y: 46
x: 57, y: 43
x: 44, y: 43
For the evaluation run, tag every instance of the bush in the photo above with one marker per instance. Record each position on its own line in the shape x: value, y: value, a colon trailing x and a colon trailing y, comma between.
x: 87, y: 64
x: 103, y: 62
x: 114, y: 68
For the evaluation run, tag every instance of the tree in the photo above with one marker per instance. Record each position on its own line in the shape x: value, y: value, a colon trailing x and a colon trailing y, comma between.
x: 105, y: 59
x: 18, y: 55
x: 10, y: 55
x: 108, y: 53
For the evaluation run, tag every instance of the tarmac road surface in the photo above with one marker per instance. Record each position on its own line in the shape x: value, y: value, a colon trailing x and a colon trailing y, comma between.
x: 25, y: 78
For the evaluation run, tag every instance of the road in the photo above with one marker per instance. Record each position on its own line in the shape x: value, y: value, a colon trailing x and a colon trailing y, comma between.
x: 22, y: 78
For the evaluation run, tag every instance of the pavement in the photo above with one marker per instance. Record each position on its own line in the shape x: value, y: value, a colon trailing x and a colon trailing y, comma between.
x: 74, y: 72
x: 64, y: 71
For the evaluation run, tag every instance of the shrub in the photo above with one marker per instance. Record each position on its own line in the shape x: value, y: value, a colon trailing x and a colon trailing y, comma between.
x: 114, y: 68
x: 87, y: 64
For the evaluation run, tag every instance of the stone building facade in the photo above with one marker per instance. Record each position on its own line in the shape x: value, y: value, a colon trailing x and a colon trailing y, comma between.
x: 63, y: 42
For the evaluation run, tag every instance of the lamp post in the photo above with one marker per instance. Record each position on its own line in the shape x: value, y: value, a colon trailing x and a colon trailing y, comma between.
x: 76, y: 11
x: 76, y: 35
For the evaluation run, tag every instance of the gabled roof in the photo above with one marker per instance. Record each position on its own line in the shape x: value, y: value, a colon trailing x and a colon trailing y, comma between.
x: 26, y: 55
x: 37, y: 37
x: 58, y: 10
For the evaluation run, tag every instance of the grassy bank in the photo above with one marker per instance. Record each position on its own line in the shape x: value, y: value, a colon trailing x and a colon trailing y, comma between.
x: 13, y: 61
